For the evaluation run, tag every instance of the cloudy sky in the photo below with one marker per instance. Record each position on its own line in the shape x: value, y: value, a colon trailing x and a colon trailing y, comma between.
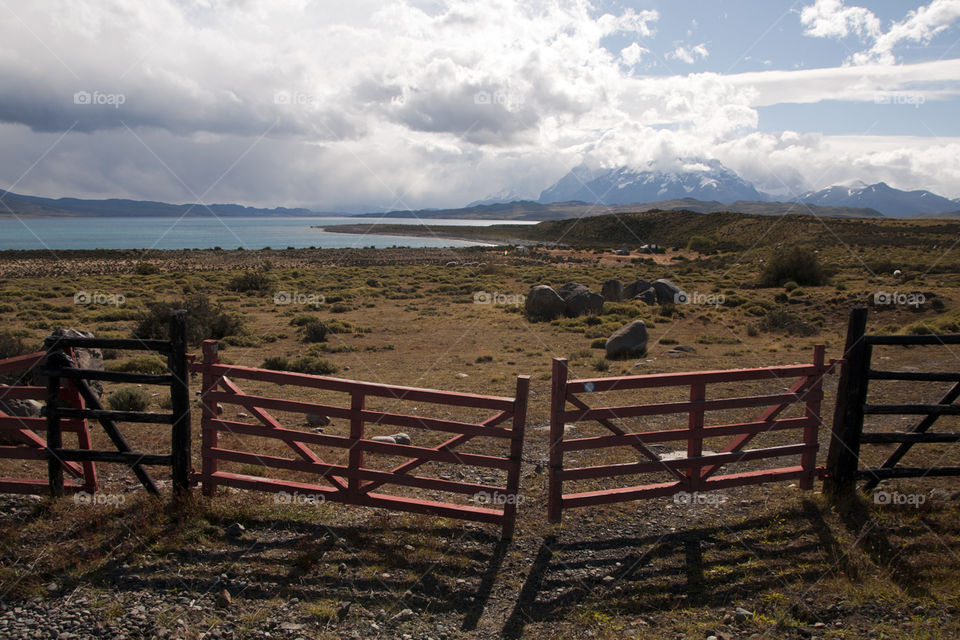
x: 413, y: 103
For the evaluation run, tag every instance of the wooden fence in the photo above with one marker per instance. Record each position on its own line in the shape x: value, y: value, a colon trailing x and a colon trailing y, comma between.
x: 843, y: 459
x: 697, y: 471
x: 24, y: 442
x: 355, y: 482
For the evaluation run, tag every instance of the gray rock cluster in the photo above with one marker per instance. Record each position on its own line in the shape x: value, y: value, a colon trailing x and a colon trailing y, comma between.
x: 572, y: 299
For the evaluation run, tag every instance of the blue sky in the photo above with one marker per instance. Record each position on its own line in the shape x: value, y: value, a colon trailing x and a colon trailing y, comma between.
x: 435, y: 103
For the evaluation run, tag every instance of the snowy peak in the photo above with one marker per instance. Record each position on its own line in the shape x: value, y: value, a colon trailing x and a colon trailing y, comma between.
x: 691, y: 178
x: 882, y: 197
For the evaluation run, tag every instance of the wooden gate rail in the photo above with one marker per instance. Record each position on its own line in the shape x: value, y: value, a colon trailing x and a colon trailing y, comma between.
x: 696, y: 472
x: 25, y: 430
x: 354, y: 483
x: 843, y: 460
x: 58, y: 365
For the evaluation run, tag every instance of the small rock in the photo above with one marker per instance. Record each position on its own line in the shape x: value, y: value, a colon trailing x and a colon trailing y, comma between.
x: 224, y: 599
x: 235, y: 530
x: 52, y: 587
x: 741, y: 615
x: 405, y: 614
x: 317, y: 420
x: 401, y: 438
x: 386, y: 439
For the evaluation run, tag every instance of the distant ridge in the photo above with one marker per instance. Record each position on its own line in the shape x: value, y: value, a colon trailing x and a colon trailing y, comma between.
x: 530, y: 210
x: 71, y: 207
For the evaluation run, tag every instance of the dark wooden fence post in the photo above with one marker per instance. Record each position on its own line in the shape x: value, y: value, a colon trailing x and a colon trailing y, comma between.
x: 208, y: 431
x: 180, y: 403
x: 54, y: 433
x: 558, y: 402
x: 843, y: 457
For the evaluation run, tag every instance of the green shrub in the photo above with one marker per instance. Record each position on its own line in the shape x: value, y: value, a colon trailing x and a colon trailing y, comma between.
x: 141, y: 364
x: 598, y: 343
x: 205, y: 320
x: 276, y: 363
x: 145, y: 269
x: 302, y: 319
x: 799, y: 264
x: 790, y: 285
x: 312, y: 365
x: 129, y: 399
x: 250, y: 281
x: 601, y: 364
x: 778, y: 320
x: 667, y: 341
x: 314, y: 331
x: 702, y: 244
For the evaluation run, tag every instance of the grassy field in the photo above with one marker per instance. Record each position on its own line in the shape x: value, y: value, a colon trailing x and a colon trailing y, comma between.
x: 802, y: 567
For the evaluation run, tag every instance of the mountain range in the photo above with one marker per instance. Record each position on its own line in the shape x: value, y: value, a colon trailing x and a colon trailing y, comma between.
x: 703, y: 186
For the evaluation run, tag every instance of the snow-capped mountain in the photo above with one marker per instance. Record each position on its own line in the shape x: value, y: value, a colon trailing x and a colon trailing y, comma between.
x: 882, y: 197
x: 502, y: 196
x: 700, y: 179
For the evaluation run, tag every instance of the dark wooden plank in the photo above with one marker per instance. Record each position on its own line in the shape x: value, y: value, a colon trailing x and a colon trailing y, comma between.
x: 119, y: 457
x: 109, y: 376
x: 116, y: 416
x: 126, y: 344
x: 908, y: 436
x: 912, y: 409
x: 915, y: 376
x: 179, y: 405
x: 843, y: 456
x: 908, y: 472
x: 54, y: 435
x: 929, y: 340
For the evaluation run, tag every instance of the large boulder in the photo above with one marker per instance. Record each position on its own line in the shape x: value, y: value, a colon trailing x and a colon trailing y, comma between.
x: 629, y: 341
x: 543, y: 303
x: 636, y: 287
x: 579, y: 299
x: 612, y: 290
x: 649, y: 296
x: 666, y: 290
x: 85, y: 358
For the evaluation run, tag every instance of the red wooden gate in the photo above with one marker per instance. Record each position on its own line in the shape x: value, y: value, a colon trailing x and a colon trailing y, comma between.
x: 355, y: 483
x: 25, y: 443
x: 697, y: 471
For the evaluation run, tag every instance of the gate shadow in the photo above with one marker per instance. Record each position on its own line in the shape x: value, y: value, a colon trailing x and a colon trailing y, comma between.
x: 713, y: 566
